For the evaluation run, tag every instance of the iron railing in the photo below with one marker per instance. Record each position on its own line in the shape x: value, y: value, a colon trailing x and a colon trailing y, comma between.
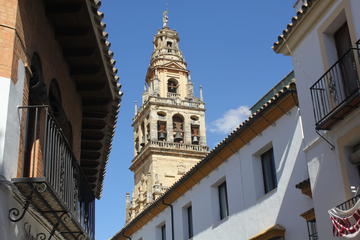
x: 339, y: 84
x: 61, y: 169
x: 349, y: 203
x: 312, y: 231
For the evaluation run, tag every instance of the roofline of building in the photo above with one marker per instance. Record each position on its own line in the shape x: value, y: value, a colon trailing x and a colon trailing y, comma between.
x: 276, y: 107
x: 295, y: 22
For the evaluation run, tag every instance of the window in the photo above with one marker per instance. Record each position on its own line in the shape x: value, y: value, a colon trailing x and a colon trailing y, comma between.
x: 223, y: 201
x: 161, y: 126
x: 172, y: 86
x: 178, y: 128
x: 195, y: 134
x: 37, y: 96
x: 189, y: 221
x: 268, y: 169
x: 309, y: 216
x: 348, y: 73
x: 169, y: 44
x: 311, y: 224
x: 163, y: 232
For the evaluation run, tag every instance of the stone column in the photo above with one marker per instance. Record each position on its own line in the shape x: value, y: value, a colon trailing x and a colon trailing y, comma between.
x: 169, y: 128
x: 202, y: 130
x: 187, y: 130
x: 153, y: 126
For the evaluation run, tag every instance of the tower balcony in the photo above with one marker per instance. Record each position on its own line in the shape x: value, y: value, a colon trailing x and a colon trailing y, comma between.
x: 171, y: 102
x: 173, y: 95
x: 54, y: 184
x: 170, y: 148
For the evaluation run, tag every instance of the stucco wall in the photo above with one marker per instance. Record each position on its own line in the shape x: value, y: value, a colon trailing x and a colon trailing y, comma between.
x: 250, y: 213
x: 330, y: 172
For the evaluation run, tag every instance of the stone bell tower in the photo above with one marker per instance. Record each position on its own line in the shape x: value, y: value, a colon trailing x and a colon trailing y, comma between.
x: 169, y: 127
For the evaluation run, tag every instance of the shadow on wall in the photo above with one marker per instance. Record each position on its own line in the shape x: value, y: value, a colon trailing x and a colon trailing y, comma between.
x: 294, y: 195
x: 289, y: 173
x: 7, y: 229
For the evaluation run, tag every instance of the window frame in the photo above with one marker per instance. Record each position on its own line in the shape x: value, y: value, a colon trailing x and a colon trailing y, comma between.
x: 268, y: 187
x: 190, y: 222
x: 163, y: 232
x: 223, y: 210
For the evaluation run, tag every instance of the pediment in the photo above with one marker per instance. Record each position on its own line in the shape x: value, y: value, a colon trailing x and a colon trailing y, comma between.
x: 173, y: 65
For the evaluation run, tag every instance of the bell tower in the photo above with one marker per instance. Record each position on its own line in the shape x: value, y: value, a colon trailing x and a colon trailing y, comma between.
x: 169, y: 127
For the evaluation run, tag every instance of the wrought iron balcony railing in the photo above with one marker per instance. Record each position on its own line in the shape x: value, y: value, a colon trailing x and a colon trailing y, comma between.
x: 337, y: 92
x: 55, y: 185
x: 349, y: 203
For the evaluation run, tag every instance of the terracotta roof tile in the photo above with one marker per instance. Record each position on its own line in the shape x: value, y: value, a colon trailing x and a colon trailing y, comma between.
x: 294, y: 22
x: 116, y: 87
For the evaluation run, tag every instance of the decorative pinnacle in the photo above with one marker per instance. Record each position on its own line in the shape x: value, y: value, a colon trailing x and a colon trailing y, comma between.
x: 165, y: 19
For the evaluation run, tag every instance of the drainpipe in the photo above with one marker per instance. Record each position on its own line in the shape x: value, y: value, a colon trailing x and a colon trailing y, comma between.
x: 172, y: 218
x: 123, y: 234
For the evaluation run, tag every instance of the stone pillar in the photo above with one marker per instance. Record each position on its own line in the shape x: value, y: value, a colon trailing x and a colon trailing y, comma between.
x: 127, y: 207
x: 153, y: 126
x: 202, y: 130
x: 169, y: 128
x: 187, y: 131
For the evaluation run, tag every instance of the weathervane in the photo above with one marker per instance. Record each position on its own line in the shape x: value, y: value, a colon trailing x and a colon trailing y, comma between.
x: 165, y: 18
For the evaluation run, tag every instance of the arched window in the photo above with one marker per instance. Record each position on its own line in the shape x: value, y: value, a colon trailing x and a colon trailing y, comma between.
x: 162, y: 133
x: 37, y: 87
x: 55, y: 99
x: 178, y: 127
x: 37, y: 96
x: 58, y: 112
x: 172, y: 85
x: 195, y: 134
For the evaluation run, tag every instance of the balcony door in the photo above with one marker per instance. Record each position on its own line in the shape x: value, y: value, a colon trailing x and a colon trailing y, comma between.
x: 347, y: 65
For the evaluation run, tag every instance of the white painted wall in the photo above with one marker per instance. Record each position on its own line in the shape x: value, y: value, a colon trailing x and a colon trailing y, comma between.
x: 11, y: 96
x: 331, y: 175
x: 250, y: 213
x: 4, y: 99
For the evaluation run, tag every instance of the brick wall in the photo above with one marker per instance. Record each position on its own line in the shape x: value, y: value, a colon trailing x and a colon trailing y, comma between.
x: 7, y: 35
x: 34, y: 33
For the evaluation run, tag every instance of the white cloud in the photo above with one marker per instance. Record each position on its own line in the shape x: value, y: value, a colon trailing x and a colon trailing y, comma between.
x: 230, y: 120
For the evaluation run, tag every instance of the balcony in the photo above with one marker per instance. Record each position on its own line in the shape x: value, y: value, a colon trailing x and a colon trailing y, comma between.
x: 170, y: 148
x: 349, y: 203
x: 337, y: 92
x: 55, y: 185
x: 173, y: 95
x: 179, y: 146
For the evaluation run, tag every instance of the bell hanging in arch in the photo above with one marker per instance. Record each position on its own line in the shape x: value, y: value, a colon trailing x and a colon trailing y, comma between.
x: 162, y: 136
x: 178, y: 137
x: 195, y: 140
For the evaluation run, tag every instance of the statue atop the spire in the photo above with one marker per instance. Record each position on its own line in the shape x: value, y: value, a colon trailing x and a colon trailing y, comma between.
x: 165, y: 19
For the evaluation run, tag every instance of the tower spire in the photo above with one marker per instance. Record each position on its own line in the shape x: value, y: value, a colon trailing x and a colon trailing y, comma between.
x: 165, y: 19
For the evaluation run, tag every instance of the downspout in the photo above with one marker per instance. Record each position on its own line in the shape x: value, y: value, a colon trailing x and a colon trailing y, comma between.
x: 172, y: 218
x: 123, y: 234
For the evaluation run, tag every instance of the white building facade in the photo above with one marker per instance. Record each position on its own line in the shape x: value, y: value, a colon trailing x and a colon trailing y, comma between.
x: 323, y: 41
x: 244, y: 189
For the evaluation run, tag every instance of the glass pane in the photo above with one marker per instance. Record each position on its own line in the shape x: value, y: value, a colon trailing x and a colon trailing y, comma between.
x: 190, y: 222
x: 163, y: 232
x: 269, y: 172
x: 223, y: 201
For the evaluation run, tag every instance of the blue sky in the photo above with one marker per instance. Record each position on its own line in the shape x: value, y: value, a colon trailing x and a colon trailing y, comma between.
x: 227, y: 45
